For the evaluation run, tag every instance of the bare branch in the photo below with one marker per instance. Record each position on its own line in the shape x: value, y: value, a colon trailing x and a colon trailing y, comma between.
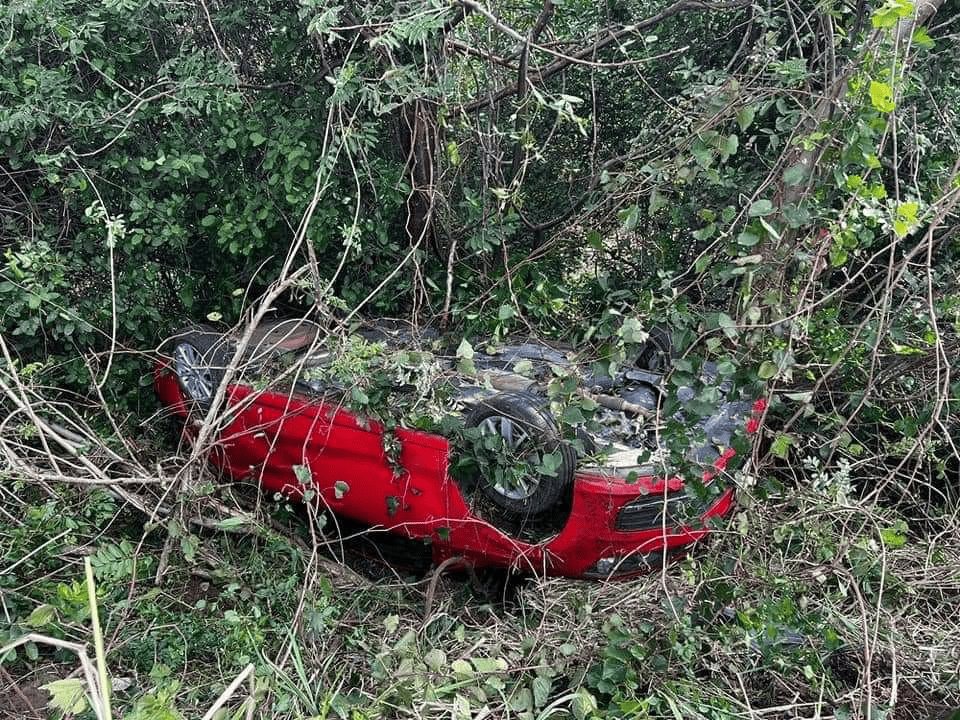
x: 606, y: 37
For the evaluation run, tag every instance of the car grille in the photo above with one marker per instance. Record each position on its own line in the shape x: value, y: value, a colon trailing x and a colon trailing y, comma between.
x: 646, y: 513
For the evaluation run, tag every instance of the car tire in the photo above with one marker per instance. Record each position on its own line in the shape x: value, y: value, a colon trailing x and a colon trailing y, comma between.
x: 199, y: 357
x: 656, y: 351
x: 505, y: 414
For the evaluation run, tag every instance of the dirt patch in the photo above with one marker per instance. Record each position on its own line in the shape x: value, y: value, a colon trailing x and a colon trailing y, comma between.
x: 22, y: 698
x: 199, y: 588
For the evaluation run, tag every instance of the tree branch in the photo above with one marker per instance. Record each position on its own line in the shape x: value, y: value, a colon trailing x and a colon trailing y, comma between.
x: 823, y: 109
x: 470, y: 50
x: 608, y: 37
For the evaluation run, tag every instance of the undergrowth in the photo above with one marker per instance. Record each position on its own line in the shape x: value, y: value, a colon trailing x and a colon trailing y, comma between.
x: 809, y: 603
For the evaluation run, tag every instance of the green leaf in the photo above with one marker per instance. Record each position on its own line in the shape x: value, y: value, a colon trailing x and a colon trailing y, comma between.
x: 42, y: 615
x: 506, y: 312
x: 435, y: 660
x: 632, y: 331
x: 895, y: 536
x: 908, y: 211
x: 922, y: 39
x: 453, y: 153
x: 747, y: 239
x: 550, y: 464
x: 391, y: 623
x: 340, y: 488
x: 572, y: 415
x: 767, y: 370
x: 541, y: 691
x: 731, y: 145
x: 462, y: 668
x: 488, y: 666
x: 523, y: 367
x: 231, y: 522
x: 883, y: 20
x: 658, y: 200
x: 583, y: 705
x: 795, y: 175
x: 838, y: 256
x: 881, y: 95
x: 705, y: 233
x: 257, y: 139
x: 745, y: 116
x: 303, y: 474
x: 465, y: 350
x: 208, y: 220
x: 781, y: 446
x: 629, y: 217
x: 702, y: 154
x: 891, y: 12
x: 760, y: 208
x: 726, y: 368
x: 771, y: 230
x: 67, y: 695
x: 906, y: 349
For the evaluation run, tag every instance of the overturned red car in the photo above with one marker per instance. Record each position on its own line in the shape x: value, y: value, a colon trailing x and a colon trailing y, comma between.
x: 585, y: 500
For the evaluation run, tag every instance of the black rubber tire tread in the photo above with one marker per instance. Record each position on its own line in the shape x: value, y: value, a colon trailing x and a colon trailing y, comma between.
x: 528, y: 411
x: 656, y: 351
x: 212, y: 346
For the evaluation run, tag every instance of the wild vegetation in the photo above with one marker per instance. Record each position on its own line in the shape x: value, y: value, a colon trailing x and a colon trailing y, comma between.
x: 776, y: 183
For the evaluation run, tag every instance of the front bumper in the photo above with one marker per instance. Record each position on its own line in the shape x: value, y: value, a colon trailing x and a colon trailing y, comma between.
x: 615, y: 532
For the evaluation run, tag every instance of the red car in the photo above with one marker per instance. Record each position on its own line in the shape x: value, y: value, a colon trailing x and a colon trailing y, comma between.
x: 592, y: 512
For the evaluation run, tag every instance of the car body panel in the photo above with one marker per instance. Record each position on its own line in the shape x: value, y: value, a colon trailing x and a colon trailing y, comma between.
x: 269, y: 434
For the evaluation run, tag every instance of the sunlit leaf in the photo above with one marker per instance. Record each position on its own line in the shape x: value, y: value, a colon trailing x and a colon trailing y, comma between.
x: 881, y: 95
x: 67, y: 695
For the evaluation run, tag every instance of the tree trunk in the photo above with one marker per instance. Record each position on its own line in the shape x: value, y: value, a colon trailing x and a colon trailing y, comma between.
x: 419, y: 139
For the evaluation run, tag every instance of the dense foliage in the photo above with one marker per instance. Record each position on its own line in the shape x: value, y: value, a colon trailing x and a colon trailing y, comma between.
x: 777, y: 184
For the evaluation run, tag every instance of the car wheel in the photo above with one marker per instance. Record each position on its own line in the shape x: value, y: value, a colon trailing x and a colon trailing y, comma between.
x: 198, y: 359
x: 656, y: 351
x: 527, y: 432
